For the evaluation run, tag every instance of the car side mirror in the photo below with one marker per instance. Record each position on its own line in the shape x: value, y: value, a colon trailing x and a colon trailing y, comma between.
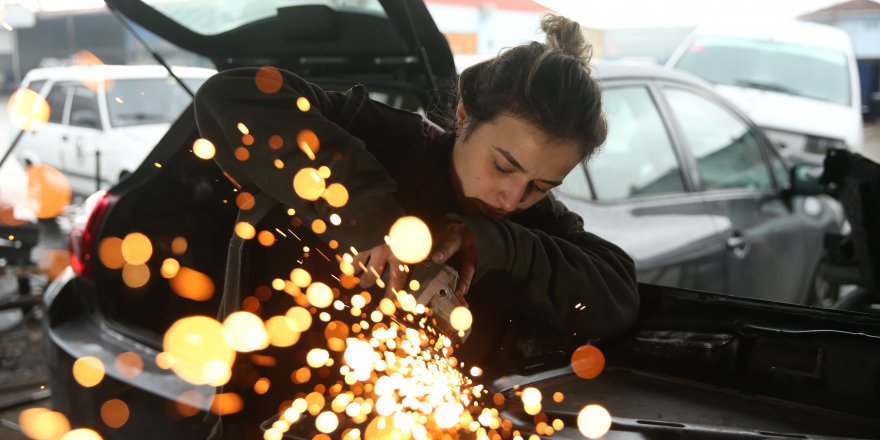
x: 805, y: 180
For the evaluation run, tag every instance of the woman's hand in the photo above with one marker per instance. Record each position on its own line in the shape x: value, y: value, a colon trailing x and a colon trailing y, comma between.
x: 456, y: 238
x: 375, y: 260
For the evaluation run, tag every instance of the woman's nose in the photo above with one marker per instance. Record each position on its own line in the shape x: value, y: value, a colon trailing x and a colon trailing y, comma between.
x: 511, y: 196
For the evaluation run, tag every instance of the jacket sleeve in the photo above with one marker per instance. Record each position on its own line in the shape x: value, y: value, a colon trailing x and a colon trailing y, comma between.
x: 230, y: 105
x: 572, y: 280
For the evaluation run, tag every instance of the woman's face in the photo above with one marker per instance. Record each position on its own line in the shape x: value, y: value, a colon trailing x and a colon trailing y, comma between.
x: 507, y: 165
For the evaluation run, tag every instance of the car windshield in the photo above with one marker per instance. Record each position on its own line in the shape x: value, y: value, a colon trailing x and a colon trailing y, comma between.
x: 148, y: 101
x: 211, y: 17
x: 770, y: 65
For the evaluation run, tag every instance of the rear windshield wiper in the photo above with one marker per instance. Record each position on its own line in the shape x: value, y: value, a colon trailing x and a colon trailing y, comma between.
x: 766, y: 86
x: 141, y: 116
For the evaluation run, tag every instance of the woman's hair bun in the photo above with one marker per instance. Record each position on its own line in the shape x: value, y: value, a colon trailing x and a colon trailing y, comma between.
x: 565, y: 36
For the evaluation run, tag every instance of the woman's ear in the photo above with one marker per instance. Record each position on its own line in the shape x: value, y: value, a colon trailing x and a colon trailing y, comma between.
x: 461, y: 117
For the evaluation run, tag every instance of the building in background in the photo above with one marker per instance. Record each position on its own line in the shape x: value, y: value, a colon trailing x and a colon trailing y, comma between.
x: 861, y: 20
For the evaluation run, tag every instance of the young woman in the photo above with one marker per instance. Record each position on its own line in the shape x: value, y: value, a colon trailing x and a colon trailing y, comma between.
x: 524, y: 120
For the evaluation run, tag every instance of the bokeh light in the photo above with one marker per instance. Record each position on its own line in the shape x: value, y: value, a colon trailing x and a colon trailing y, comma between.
x: 88, y: 371
x: 178, y: 245
x: 129, y: 364
x: 27, y: 110
x: 204, y: 149
x: 308, y: 184
x: 226, y: 403
x: 461, y: 318
x: 327, y: 422
x: 276, y: 142
x: 268, y: 80
x: 301, y: 318
x: 594, y: 421
x: 336, y: 195
x: 192, y: 284
x: 266, y: 238
x: 317, y: 357
x: 308, y: 143
x: 242, y: 154
x: 114, y: 413
x: 194, y: 342
x: 244, y: 200
x: 410, y: 240
x: 319, y: 227
x: 169, y: 268
x: 300, y: 277
x: 110, y: 253
x: 261, y: 386
x: 245, y: 332
x: 282, y: 331
x: 48, y: 191
x: 135, y: 275
x: 303, y: 104
x: 587, y: 361
x: 81, y: 434
x: 245, y: 230
x: 319, y: 295
x: 136, y: 248
x: 43, y: 424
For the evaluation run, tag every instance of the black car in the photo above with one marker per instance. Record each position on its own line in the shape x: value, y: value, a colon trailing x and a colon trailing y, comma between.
x: 696, y: 365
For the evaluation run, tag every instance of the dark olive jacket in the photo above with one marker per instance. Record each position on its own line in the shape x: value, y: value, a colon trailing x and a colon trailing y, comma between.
x: 540, y: 276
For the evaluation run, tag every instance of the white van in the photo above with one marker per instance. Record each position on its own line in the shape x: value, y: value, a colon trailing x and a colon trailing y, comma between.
x: 797, y: 80
x: 115, y: 113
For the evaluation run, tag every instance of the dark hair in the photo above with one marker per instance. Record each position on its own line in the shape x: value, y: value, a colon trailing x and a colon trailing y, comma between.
x: 547, y: 84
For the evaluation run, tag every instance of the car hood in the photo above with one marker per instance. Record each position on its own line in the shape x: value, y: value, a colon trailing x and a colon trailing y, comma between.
x: 780, y: 111
x: 393, y: 37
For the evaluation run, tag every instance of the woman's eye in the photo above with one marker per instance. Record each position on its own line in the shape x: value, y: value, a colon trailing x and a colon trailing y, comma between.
x: 502, y: 170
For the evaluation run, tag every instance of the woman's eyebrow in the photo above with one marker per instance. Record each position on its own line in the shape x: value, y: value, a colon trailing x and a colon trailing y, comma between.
x: 509, y: 157
x: 518, y: 166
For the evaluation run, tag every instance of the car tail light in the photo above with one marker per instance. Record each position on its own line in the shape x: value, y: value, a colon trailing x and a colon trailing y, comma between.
x: 84, y: 239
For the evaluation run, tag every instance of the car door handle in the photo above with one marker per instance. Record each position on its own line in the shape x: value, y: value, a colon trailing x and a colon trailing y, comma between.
x: 737, y: 241
x: 738, y: 244
x: 65, y: 137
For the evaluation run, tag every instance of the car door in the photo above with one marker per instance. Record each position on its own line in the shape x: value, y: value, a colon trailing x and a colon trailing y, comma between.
x: 83, y: 137
x: 635, y: 194
x: 770, y: 244
x: 45, y: 145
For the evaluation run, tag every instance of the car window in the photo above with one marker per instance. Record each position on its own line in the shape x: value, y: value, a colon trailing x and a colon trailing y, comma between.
x: 84, y: 108
x: 36, y: 86
x: 780, y: 171
x: 215, y: 17
x: 777, y: 66
x: 56, y: 99
x: 726, y: 150
x: 142, y: 101
x: 576, y: 184
x: 637, y: 158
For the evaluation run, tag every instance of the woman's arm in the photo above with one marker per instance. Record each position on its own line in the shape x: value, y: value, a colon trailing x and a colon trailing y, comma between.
x: 572, y: 280
x: 232, y: 97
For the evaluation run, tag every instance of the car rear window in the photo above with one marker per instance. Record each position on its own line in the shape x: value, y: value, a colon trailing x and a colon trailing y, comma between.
x: 792, y: 69
x: 148, y: 100
x: 211, y: 17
